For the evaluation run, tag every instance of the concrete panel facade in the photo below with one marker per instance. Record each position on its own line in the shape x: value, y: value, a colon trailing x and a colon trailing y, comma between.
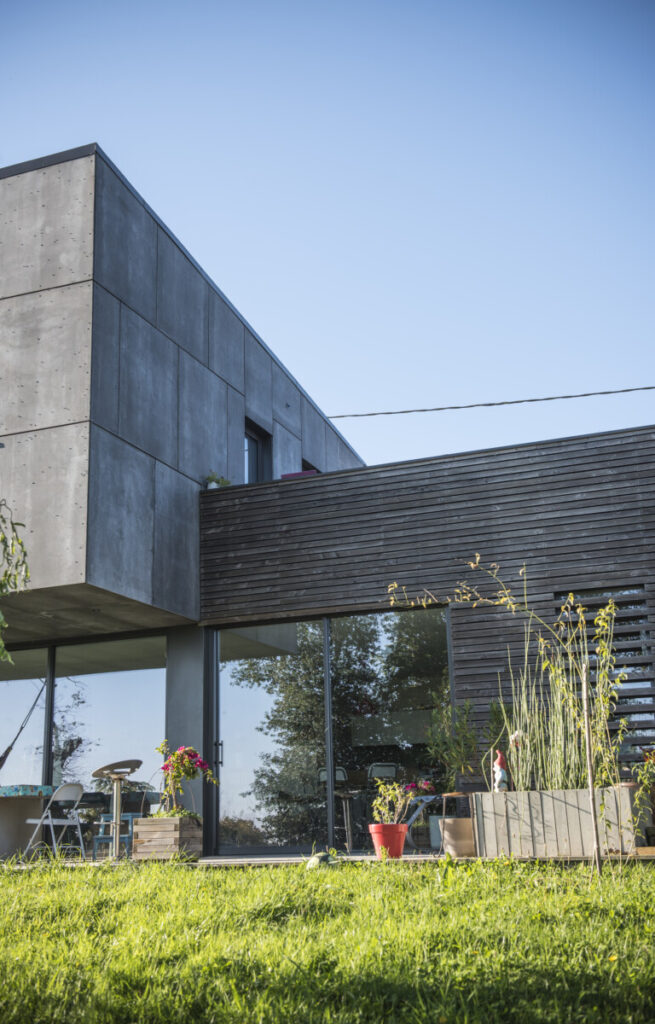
x: 236, y: 416
x: 46, y: 227
x: 287, y: 451
x: 175, y: 583
x: 139, y: 349
x: 43, y: 476
x: 45, y: 351
x: 121, y: 517
x: 182, y: 299
x: 125, y: 246
x: 226, y: 342
x: 148, y: 388
x: 202, y: 442
x: 286, y: 401
x: 259, y: 384
x: 106, y: 359
x: 313, y: 436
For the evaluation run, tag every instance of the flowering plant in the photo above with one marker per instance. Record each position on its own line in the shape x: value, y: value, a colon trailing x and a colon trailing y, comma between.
x: 424, y: 787
x: 180, y: 764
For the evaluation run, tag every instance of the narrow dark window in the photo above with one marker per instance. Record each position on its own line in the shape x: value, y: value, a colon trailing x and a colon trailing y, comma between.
x: 257, y: 460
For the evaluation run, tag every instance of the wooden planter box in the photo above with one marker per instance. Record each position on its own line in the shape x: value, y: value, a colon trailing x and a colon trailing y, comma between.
x: 556, y: 823
x: 163, y: 838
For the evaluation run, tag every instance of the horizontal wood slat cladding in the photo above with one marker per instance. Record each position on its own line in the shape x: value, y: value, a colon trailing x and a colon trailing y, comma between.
x: 580, y: 512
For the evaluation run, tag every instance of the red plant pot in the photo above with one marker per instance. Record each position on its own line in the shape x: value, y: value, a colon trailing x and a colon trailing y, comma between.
x: 388, y: 838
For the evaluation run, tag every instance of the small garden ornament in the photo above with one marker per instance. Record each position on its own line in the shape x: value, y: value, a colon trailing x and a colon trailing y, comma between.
x: 500, y: 773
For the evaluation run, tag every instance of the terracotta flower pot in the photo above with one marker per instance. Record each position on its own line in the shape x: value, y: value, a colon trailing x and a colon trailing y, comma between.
x: 390, y: 838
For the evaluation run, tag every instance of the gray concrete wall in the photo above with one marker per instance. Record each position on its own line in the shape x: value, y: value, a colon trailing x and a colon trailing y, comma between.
x: 175, y: 372
x: 46, y: 265
x: 131, y: 377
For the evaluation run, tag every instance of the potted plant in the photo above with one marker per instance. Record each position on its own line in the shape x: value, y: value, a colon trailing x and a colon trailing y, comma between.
x: 213, y: 480
x: 173, y: 829
x: 389, y: 809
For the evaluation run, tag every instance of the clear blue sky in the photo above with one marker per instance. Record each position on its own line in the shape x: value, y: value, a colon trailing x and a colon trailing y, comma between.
x: 414, y: 204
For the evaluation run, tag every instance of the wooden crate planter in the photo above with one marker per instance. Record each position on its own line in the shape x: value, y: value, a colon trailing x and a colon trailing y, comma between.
x: 163, y: 838
x: 556, y: 823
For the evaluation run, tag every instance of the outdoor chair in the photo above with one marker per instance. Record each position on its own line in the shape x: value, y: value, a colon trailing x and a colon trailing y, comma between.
x: 60, y: 813
x: 340, y: 775
x: 382, y: 770
x: 105, y: 834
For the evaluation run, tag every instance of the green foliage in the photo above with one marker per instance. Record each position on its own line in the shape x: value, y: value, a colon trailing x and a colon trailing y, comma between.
x: 395, y: 942
x: 544, y: 721
x: 392, y: 802
x: 214, y: 478
x: 543, y: 724
x: 176, y: 812
x: 453, y: 743
x: 644, y: 773
x: 14, y: 571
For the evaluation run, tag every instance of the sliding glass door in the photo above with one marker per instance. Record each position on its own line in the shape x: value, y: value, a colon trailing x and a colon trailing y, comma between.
x: 384, y: 680
x: 272, y: 794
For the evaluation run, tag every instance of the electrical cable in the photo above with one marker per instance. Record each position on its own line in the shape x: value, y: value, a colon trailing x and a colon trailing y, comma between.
x: 488, y: 405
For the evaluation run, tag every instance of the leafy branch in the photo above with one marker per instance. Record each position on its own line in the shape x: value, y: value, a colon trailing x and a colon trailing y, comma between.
x: 14, y: 571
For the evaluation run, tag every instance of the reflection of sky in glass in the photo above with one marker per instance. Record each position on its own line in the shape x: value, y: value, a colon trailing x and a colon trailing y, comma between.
x: 242, y: 711
x: 23, y: 766
x: 121, y: 718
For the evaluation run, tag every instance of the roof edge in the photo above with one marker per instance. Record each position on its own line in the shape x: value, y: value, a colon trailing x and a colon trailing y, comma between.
x: 47, y: 161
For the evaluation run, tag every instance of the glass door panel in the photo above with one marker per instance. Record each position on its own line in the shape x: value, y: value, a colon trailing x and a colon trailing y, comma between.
x: 389, y: 674
x: 272, y: 730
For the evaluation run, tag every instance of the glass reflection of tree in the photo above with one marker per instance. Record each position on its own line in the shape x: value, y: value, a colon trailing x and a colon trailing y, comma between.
x: 380, y: 664
x: 69, y: 743
x: 285, y: 786
x: 393, y: 663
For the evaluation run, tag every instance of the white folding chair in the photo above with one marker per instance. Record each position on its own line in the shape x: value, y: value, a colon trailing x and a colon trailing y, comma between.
x: 70, y: 793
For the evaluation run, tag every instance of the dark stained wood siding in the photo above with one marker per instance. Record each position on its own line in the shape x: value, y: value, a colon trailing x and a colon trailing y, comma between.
x: 580, y: 512
x: 577, y: 511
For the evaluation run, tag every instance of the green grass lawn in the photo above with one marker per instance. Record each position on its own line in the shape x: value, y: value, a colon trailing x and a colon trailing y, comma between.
x: 488, y: 942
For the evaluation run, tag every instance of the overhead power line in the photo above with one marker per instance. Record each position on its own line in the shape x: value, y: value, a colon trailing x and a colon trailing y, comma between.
x: 488, y: 405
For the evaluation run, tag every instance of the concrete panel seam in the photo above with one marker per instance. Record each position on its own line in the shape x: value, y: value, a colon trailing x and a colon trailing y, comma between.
x: 50, y: 288
x: 123, y: 440
x: 136, y: 312
x: 298, y: 436
x: 52, y: 426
